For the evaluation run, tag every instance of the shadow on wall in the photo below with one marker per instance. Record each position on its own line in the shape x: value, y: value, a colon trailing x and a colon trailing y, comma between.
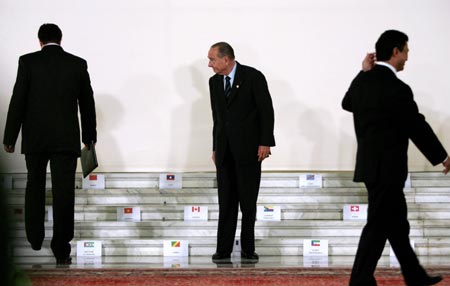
x: 109, y: 115
x: 191, y: 132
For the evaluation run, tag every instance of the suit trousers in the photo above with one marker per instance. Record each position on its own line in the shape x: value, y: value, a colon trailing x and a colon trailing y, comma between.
x: 63, y: 168
x: 238, y: 186
x: 386, y: 220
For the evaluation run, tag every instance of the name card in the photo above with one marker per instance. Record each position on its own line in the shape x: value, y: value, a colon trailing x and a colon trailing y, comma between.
x: 196, y: 213
x: 49, y: 213
x: 170, y: 181
x: 268, y: 213
x: 89, y: 248
x: 6, y: 182
x: 355, y: 212
x: 393, y: 259
x: 315, y: 247
x: 128, y: 214
x: 94, y: 181
x: 237, y: 248
x: 315, y: 261
x: 311, y: 181
x: 175, y: 248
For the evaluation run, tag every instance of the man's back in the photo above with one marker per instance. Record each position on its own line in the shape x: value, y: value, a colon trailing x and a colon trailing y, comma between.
x: 50, y: 85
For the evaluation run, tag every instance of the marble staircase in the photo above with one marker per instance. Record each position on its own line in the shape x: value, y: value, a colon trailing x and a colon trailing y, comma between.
x: 306, y: 213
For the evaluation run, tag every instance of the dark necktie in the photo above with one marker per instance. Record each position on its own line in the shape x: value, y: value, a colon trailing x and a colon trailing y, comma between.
x: 227, y: 86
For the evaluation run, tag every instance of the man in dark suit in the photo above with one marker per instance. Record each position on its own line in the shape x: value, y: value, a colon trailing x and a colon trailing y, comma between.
x: 242, y: 136
x: 385, y: 118
x: 51, y: 84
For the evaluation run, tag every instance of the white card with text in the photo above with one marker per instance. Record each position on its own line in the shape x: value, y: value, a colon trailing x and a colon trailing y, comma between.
x: 89, y: 248
x: 128, y: 214
x: 170, y: 181
x: 268, y: 213
x: 176, y: 248
x: 311, y: 181
x: 196, y: 213
x: 355, y: 212
x: 315, y: 247
x: 94, y: 181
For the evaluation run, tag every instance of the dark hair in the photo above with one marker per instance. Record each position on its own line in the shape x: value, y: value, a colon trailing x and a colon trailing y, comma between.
x: 389, y: 40
x: 50, y: 33
x: 224, y: 50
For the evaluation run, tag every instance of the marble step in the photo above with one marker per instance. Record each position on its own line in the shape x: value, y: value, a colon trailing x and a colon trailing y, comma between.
x: 202, y: 247
x: 268, y: 179
x: 294, y: 228
x: 311, y: 211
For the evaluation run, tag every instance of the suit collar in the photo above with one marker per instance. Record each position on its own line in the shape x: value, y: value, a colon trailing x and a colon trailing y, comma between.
x: 52, y: 48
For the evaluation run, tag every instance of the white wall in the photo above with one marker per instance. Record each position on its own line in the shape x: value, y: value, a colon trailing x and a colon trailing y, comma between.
x: 148, y: 66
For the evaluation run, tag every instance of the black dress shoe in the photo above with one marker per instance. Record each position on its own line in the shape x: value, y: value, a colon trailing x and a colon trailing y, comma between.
x: 64, y: 261
x: 250, y: 256
x: 220, y: 257
x: 430, y: 280
x: 36, y: 246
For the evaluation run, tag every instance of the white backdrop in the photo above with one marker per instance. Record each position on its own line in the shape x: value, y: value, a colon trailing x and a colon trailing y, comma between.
x: 148, y: 65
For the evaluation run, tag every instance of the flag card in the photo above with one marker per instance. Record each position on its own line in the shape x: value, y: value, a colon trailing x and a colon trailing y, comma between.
x: 170, y: 181
x: 89, y: 248
x: 176, y: 248
x: 311, y: 181
x: 315, y: 247
x: 355, y: 212
x: 268, y: 213
x: 132, y: 214
x: 94, y: 181
x: 196, y: 213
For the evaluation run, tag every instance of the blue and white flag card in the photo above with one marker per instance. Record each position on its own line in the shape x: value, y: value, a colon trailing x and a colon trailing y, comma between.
x: 170, y: 181
x: 268, y: 213
x: 94, y: 181
x: 196, y: 213
x: 311, y: 181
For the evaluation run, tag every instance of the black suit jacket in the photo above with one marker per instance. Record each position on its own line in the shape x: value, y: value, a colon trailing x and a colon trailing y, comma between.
x: 385, y: 118
x: 50, y: 86
x: 245, y: 120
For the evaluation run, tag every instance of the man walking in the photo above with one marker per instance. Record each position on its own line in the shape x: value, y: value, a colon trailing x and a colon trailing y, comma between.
x: 51, y: 84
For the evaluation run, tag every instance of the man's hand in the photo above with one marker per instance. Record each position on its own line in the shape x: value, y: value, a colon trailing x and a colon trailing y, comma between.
x: 8, y: 148
x: 263, y: 152
x: 446, y: 164
x: 369, y: 62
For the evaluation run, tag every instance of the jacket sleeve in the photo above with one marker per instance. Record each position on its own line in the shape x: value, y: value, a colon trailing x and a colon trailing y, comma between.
x: 417, y: 128
x: 265, y: 110
x: 214, y: 114
x: 87, y: 108
x: 17, y: 106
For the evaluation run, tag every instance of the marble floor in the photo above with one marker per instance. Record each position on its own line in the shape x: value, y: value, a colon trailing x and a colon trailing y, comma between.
x: 114, y: 262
